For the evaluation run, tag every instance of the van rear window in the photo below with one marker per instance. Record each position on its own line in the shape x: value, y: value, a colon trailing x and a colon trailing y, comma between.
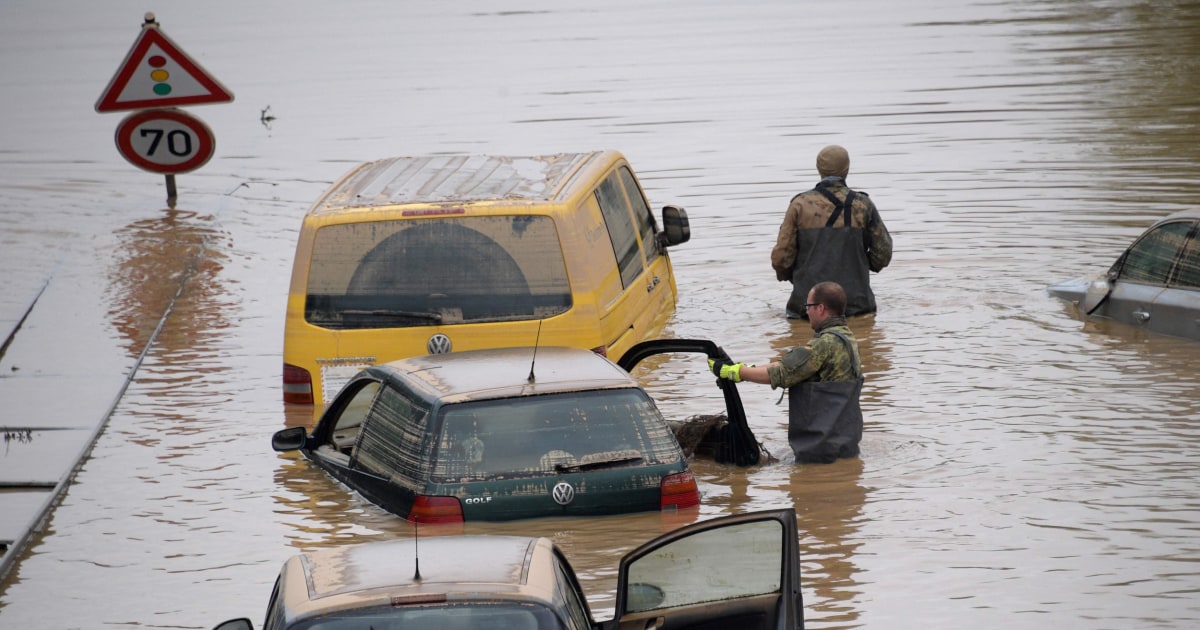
x: 430, y: 271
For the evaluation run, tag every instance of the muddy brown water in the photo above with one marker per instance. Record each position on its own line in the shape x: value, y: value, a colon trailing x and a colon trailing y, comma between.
x: 1019, y: 468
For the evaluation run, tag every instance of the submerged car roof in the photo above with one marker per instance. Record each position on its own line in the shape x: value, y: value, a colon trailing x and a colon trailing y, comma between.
x: 506, y: 372
x: 480, y: 567
x: 1191, y: 213
x: 457, y: 179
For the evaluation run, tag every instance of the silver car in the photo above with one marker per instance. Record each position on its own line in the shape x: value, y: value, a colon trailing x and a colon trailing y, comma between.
x: 1154, y: 285
x: 740, y: 571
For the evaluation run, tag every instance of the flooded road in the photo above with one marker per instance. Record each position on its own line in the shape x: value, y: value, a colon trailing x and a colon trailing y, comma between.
x: 1019, y: 468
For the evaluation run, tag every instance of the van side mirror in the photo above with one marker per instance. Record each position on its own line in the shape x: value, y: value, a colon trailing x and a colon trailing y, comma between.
x: 676, y: 228
x: 289, y: 439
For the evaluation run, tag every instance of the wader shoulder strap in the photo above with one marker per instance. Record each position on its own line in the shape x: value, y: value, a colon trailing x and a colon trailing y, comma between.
x: 855, y: 360
x: 838, y: 207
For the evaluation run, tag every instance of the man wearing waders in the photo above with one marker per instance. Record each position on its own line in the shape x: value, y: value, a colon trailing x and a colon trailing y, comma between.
x: 831, y: 233
x: 824, y: 379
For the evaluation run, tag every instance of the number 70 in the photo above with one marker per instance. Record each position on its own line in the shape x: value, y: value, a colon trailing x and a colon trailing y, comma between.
x: 179, y: 142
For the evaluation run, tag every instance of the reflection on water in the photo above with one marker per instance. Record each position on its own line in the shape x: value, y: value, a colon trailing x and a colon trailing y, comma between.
x: 1019, y: 467
x: 323, y: 513
x: 829, y: 505
x: 159, y: 261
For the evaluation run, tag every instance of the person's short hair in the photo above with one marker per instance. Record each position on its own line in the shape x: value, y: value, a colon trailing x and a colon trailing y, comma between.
x: 832, y: 295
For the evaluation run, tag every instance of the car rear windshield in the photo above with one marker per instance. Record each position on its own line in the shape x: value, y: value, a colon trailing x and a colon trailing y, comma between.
x: 551, y: 434
x: 430, y: 271
x: 474, y: 616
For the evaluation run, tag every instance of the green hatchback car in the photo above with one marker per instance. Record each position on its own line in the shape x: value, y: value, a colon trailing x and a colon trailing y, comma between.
x: 501, y: 434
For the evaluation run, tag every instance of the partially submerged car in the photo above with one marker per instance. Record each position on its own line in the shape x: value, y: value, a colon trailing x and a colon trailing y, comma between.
x: 1154, y: 284
x: 408, y: 256
x: 506, y: 434
x: 740, y: 571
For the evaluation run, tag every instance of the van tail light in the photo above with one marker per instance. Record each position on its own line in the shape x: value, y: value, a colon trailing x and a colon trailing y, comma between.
x: 427, y: 509
x: 601, y: 350
x: 678, y: 491
x: 297, y: 385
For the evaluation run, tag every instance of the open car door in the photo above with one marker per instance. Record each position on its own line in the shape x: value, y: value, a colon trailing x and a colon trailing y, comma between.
x: 740, y: 571
x: 736, y: 443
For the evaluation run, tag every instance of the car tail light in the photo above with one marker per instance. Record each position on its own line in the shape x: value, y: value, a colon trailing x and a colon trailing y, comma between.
x: 678, y: 491
x: 426, y: 509
x: 297, y: 385
x: 601, y: 350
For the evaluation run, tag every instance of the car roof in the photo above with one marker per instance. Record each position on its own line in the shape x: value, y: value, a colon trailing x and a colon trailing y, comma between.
x: 452, y: 568
x: 457, y: 179
x: 1192, y: 213
x: 504, y: 373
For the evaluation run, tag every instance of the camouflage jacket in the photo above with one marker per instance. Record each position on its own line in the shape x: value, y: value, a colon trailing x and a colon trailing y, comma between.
x: 810, y: 209
x: 825, y: 358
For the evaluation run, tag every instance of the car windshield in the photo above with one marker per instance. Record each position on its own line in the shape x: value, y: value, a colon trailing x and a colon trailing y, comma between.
x: 551, y: 434
x: 474, y: 616
x: 433, y: 271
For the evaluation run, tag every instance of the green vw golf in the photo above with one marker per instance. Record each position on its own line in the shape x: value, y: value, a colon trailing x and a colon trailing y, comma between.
x: 500, y: 434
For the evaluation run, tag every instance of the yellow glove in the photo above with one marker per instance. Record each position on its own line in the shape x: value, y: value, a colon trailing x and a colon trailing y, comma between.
x: 726, y: 370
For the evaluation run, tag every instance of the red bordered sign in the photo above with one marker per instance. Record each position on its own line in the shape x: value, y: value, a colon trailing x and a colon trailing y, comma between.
x: 157, y: 73
x: 165, y: 141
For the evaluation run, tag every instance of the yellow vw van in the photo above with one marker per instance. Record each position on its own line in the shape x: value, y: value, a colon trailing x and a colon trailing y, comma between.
x: 425, y: 255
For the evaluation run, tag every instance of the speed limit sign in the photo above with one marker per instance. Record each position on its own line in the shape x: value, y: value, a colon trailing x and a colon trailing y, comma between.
x: 165, y: 141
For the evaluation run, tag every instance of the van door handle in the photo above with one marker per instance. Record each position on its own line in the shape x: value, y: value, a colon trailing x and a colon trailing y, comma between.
x: 1141, y: 316
x: 653, y: 283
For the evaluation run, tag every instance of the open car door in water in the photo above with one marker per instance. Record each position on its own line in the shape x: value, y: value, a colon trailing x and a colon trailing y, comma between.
x: 730, y: 440
x: 740, y: 571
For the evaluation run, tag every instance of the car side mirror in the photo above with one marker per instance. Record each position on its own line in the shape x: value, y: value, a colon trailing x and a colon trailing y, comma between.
x: 1114, y: 271
x: 235, y: 624
x: 676, y: 228
x: 289, y: 439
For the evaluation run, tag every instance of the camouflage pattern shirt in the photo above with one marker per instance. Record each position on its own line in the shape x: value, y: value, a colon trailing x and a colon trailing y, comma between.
x: 810, y: 210
x: 825, y: 358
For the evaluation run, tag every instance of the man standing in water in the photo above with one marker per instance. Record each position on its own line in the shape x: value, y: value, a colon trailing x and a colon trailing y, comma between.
x: 824, y: 379
x: 831, y: 232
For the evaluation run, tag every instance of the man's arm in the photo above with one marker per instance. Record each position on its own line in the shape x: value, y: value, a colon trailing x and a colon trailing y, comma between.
x: 879, y: 242
x: 757, y: 373
x: 783, y: 256
x: 796, y: 366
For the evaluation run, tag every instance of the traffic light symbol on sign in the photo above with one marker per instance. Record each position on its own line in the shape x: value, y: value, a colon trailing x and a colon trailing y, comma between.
x: 157, y: 73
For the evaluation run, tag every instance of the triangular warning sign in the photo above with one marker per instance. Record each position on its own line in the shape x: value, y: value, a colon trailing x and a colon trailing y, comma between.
x: 156, y: 73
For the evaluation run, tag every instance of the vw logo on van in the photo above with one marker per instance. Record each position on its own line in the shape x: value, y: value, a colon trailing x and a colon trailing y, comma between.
x: 563, y: 493
x: 438, y: 344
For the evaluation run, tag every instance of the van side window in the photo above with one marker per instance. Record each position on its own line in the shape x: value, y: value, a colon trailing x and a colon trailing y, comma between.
x: 641, y: 213
x: 617, y: 216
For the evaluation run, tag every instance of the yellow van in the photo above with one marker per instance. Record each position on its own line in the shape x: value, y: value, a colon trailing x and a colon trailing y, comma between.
x: 424, y: 255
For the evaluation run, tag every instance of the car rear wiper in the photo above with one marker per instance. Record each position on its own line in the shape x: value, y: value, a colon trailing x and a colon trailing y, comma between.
x: 384, y: 312
x: 598, y: 463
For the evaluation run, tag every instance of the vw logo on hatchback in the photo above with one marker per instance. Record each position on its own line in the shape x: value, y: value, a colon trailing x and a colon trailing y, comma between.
x: 438, y: 344
x: 563, y: 493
